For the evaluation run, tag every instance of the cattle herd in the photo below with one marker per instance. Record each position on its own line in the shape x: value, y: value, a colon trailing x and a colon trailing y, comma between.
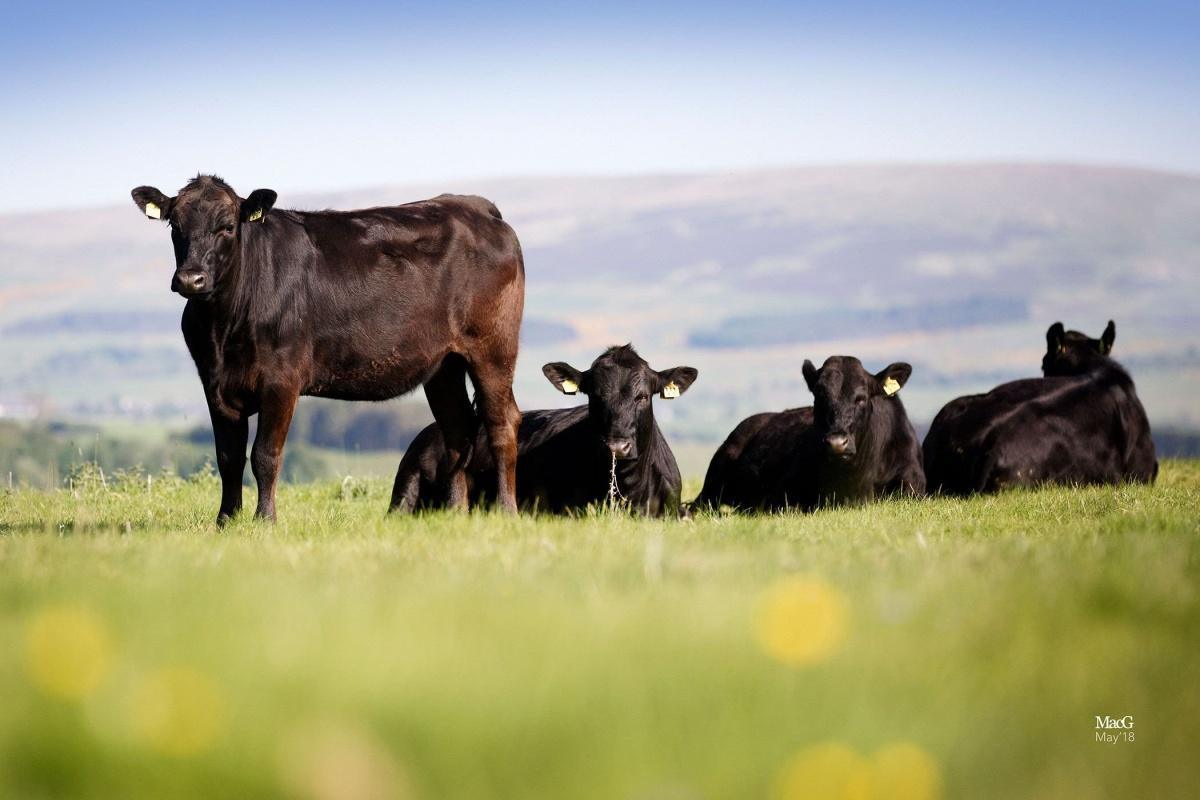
x: 370, y: 304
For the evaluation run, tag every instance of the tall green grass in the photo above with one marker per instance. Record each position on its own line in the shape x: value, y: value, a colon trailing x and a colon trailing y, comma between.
x: 342, y: 654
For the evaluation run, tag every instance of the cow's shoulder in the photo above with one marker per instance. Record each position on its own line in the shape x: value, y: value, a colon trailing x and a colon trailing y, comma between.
x: 789, y: 421
x: 746, y: 429
x: 1008, y: 404
x: 781, y: 435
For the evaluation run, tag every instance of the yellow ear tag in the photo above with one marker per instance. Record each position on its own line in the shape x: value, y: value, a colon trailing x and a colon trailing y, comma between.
x: 670, y: 391
x: 891, y: 386
x: 569, y: 386
x: 153, y: 211
x: 257, y: 215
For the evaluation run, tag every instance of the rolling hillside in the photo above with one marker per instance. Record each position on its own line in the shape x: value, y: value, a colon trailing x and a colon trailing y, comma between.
x: 957, y: 269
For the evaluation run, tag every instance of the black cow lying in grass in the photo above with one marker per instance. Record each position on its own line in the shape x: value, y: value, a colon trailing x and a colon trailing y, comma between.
x: 566, y: 458
x: 854, y: 444
x: 1080, y: 424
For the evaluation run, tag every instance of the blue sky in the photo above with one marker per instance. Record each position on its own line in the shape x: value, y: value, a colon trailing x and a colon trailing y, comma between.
x: 98, y: 98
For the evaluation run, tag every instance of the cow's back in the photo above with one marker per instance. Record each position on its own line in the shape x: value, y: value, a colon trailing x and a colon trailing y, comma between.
x: 1088, y: 429
x: 383, y: 294
x: 1084, y: 429
x: 749, y: 469
x: 723, y: 478
x: 958, y: 442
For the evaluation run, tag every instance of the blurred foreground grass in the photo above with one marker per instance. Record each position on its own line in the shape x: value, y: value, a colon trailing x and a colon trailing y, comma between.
x: 913, y: 649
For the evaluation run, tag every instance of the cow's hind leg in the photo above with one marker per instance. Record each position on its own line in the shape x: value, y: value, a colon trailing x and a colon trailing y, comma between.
x: 501, y: 418
x: 274, y: 418
x: 447, y: 395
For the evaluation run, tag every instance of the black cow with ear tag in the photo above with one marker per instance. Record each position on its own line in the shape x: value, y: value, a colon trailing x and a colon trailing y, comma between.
x: 853, y: 444
x: 570, y: 458
x: 351, y: 305
x: 1081, y: 423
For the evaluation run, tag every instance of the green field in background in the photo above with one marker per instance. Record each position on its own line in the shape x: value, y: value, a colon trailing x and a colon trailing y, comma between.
x: 908, y: 649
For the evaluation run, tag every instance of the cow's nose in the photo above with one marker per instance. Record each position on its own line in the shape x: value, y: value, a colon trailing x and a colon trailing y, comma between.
x: 839, y: 444
x: 189, y: 283
x: 621, y: 448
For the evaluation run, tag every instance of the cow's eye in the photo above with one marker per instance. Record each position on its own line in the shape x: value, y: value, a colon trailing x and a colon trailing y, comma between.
x: 861, y: 399
x: 229, y: 228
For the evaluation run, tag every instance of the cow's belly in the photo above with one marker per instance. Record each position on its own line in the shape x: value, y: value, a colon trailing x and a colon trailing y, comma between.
x: 380, y: 377
x: 380, y: 354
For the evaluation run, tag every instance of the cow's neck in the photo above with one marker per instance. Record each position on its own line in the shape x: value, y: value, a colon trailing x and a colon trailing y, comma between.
x: 632, y: 474
x: 250, y: 298
x: 854, y: 476
x: 845, y: 478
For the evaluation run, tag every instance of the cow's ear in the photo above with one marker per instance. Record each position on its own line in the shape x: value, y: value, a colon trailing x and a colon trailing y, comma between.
x: 1054, y: 337
x: 153, y: 203
x: 893, y: 377
x: 810, y: 375
x: 1108, y: 337
x: 675, y: 381
x: 256, y: 206
x: 565, y: 378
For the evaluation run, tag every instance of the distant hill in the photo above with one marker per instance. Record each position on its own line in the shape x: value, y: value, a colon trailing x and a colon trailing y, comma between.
x: 958, y: 269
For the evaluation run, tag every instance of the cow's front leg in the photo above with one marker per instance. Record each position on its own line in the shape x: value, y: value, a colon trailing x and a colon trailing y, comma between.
x: 230, y: 435
x: 274, y: 418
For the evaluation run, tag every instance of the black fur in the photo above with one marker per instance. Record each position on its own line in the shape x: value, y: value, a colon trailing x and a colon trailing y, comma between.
x: 854, y: 444
x: 1080, y: 424
x: 565, y: 456
x: 356, y: 305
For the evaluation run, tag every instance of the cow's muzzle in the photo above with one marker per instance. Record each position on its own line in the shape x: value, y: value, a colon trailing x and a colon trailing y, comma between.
x: 191, y: 283
x: 622, y: 448
x: 840, y: 445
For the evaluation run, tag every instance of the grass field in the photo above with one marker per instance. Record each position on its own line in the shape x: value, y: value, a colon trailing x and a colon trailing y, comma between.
x: 909, y: 649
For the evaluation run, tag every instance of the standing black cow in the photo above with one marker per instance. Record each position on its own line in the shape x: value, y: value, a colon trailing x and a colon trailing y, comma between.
x: 1080, y: 424
x: 354, y: 305
x: 854, y: 444
x: 566, y: 457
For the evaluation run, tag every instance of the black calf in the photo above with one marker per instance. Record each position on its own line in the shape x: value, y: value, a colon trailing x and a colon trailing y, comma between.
x: 566, y: 457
